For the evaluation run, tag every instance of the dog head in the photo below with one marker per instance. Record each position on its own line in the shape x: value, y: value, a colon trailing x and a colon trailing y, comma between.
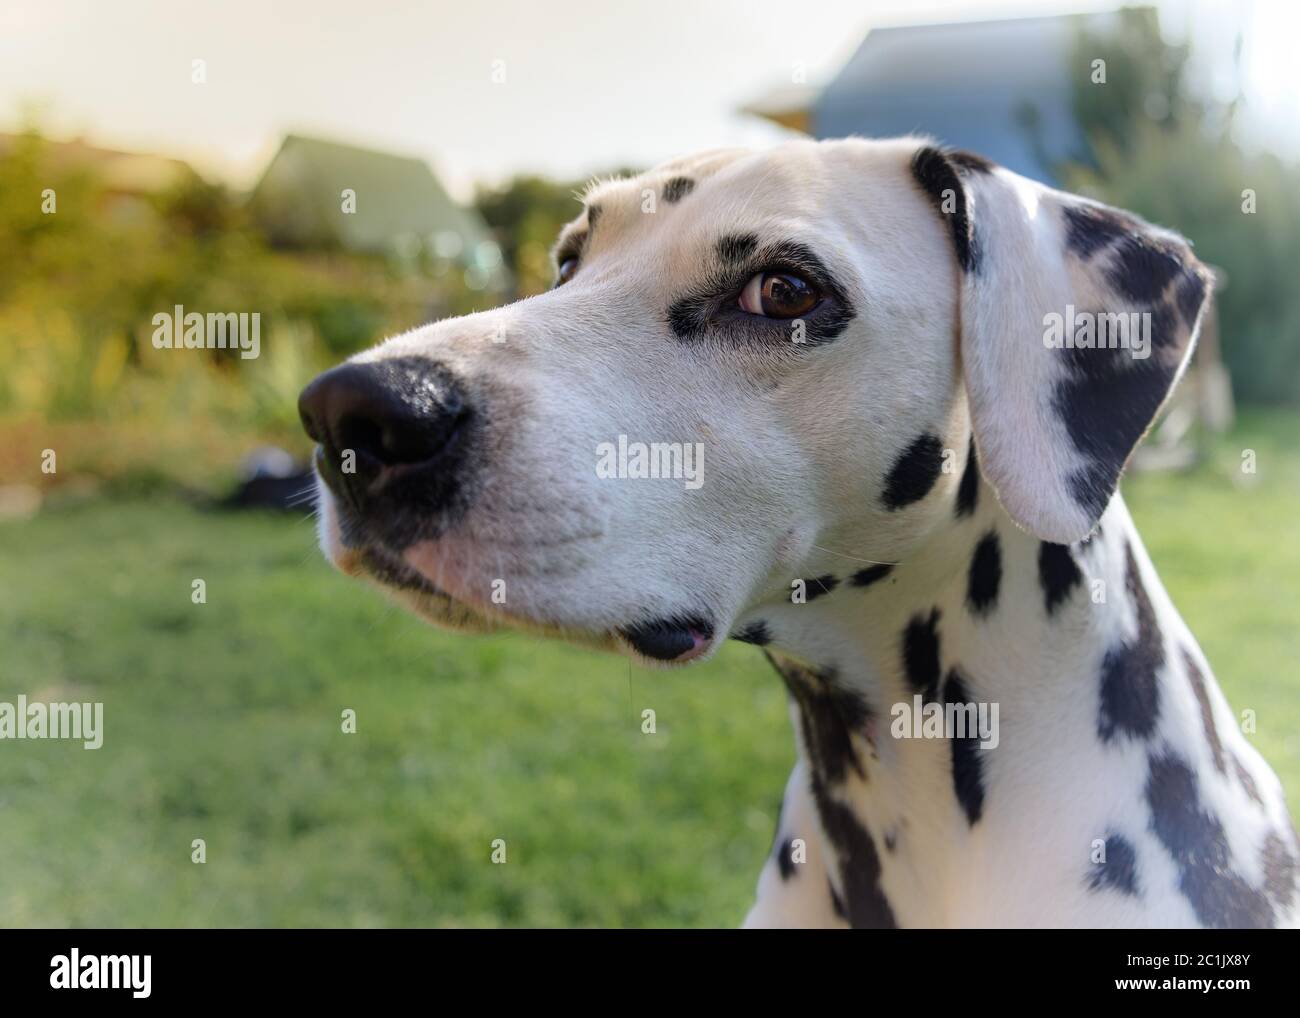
x: 748, y: 356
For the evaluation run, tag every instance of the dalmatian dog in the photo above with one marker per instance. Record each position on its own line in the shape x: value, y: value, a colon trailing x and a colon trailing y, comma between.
x: 906, y: 443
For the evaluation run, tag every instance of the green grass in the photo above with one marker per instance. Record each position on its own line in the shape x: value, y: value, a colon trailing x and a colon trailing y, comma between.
x: 223, y: 723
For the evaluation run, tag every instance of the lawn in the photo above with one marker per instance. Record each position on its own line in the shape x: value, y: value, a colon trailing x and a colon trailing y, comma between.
x: 223, y: 722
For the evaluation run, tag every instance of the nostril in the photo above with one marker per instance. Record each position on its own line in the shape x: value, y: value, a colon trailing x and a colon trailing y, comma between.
x: 398, y: 412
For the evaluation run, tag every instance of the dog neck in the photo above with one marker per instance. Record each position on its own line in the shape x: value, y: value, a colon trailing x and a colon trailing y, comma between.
x: 980, y: 614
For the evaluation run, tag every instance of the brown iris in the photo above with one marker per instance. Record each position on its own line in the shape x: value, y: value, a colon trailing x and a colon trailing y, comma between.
x: 779, y: 295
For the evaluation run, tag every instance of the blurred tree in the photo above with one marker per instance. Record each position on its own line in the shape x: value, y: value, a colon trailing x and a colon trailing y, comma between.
x: 1172, y: 157
x: 527, y: 212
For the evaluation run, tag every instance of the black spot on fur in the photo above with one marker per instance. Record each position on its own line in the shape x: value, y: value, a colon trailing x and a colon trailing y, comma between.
x: 1119, y: 871
x: 968, y: 490
x: 593, y: 215
x: 1130, y: 688
x: 1190, y: 296
x: 785, y: 860
x: 1058, y: 574
x: 1245, y: 780
x: 967, y: 763
x: 1279, y: 870
x: 837, y: 903
x: 1108, y: 400
x: 828, y: 715
x: 755, y: 633
x: 867, y: 908
x: 736, y: 247
x: 985, y: 575
x: 891, y: 840
x: 1143, y: 267
x: 972, y: 162
x: 1196, y: 840
x: 820, y: 585
x: 1202, y: 693
x: 677, y: 188
x: 828, y: 718
x: 1090, y: 228
x: 940, y: 181
x: 872, y: 574
x: 921, y: 654
x: 914, y: 472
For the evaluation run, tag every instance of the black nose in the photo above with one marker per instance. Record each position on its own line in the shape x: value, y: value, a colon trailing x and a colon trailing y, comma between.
x: 383, y: 421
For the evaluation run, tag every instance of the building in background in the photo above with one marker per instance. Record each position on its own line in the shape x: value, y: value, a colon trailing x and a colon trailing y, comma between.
x: 395, y: 207
x: 1001, y: 88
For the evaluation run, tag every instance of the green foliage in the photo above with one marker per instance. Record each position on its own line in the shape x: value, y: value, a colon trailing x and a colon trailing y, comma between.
x: 79, y: 288
x: 527, y: 213
x: 1175, y: 160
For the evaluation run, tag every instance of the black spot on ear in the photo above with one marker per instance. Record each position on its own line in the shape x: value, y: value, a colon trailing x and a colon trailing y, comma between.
x: 968, y: 491
x: 1143, y: 267
x: 939, y: 179
x: 872, y: 574
x: 1130, y: 687
x: 967, y: 763
x: 1119, y: 871
x: 1108, y: 401
x: 1190, y: 295
x: 785, y: 860
x: 820, y: 585
x: 676, y: 189
x: 1245, y: 780
x: 1196, y: 840
x: 755, y: 633
x: 914, y: 472
x: 593, y: 214
x: 1090, y: 228
x: 1165, y: 330
x: 972, y: 162
x: 1279, y: 870
x: 1202, y: 694
x: 1058, y: 574
x: 921, y: 654
x: 985, y: 575
x: 736, y: 247
x: 1092, y: 486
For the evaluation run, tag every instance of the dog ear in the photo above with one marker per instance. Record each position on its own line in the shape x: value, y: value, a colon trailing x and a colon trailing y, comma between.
x: 1076, y: 321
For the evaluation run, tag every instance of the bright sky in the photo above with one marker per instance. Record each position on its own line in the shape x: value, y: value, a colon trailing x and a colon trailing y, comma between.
x: 589, y: 84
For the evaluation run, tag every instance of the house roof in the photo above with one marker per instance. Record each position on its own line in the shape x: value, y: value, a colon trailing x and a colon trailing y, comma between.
x: 299, y: 201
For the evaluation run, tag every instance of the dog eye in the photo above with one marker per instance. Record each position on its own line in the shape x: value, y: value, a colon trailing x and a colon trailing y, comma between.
x: 778, y: 295
x: 567, y: 268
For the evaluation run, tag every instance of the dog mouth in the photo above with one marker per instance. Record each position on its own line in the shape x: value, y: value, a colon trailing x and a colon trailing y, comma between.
x: 443, y: 596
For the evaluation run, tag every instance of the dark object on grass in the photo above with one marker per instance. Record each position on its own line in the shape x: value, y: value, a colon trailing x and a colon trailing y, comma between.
x: 273, y: 479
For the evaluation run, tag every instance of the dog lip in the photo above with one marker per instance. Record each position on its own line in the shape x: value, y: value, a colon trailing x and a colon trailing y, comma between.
x: 671, y: 639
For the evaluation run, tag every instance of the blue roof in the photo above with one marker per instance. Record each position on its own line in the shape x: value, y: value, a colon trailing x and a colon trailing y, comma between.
x: 969, y: 85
